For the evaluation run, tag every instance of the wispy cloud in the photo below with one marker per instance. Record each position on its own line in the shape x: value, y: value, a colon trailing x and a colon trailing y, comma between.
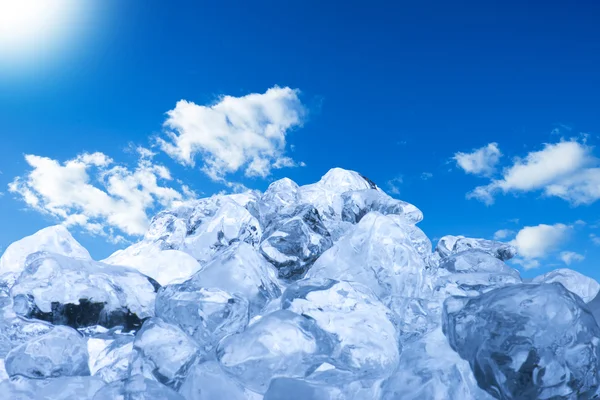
x: 426, y: 176
x: 394, y: 185
x: 569, y: 257
x: 503, y: 234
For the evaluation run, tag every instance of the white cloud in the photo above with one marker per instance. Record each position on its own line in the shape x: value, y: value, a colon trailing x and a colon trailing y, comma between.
x: 534, y: 242
x: 595, y: 239
x: 503, y: 234
x: 113, y: 197
x: 564, y: 170
x: 426, y: 175
x: 238, y: 133
x: 569, y: 257
x: 580, y: 188
x: 526, y: 263
x: 394, y: 185
x: 481, y: 161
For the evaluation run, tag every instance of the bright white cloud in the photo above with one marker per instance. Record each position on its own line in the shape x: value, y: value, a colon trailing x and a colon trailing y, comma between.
x: 503, y: 234
x: 481, y: 161
x: 566, y: 170
x: 238, y: 133
x: 582, y: 187
x: 568, y: 257
x: 114, y: 197
x: 537, y: 241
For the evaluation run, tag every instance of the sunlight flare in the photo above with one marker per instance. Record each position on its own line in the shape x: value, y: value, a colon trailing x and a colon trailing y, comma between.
x: 29, y: 28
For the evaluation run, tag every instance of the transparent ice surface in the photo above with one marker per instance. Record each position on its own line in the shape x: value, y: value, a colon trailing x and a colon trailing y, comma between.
x: 60, y: 352
x: 163, y: 352
x: 207, y: 315
x: 365, y: 341
x: 137, y: 388
x: 240, y: 270
x: 527, y: 341
x: 280, y: 344
x: 78, y: 293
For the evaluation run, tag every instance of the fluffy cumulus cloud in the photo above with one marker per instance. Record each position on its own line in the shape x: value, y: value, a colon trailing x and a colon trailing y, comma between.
x: 93, y: 192
x: 245, y: 133
x: 481, y: 161
x: 566, y: 169
x: 536, y: 242
x: 569, y: 257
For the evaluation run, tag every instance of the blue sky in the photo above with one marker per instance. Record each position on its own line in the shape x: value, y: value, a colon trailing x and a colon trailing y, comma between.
x: 431, y: 100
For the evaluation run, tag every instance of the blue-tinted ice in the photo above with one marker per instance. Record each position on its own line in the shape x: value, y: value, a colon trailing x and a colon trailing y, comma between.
x: 327, y: 291
x: 527, y: 341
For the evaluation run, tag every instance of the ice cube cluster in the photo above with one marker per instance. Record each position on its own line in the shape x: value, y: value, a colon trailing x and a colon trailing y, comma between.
x: 327, y: 291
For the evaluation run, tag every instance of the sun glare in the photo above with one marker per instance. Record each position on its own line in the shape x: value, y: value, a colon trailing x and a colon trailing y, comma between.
x: 30, y: 28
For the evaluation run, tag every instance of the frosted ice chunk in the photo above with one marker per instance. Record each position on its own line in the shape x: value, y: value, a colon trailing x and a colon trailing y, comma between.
x: 471, y: 284
x: 60, y: 352
x: 167, y: 231
x: 163, y: 352
x: 418, y: 238
x: 55, y: 239
x: 110, y: 358
x: 325, y: 195
x: 78, y: 293
x: 414, y: 317
x: 295, y: 241
x: 3, y: 373
x: 137, y: 388
x: 207, y: 315
x: 455, y: 244
x: 468, y: 273
x: 15, y: 331
x: 377, y: 253
x: 207, y: 381
x: 181, y: 239
x: 165, y: 266
x: 279, y: 196
x: 231, y: 223
x: 365, y: 340
x: 280, y: 344
x: 203, y: 227
x: 343, y: 180
x: 247, y: 199
x: 61, y: 388
x: 242, y: 271
x: 476, y: 260
x: 360, y: 202
x: 583, y: 286
x: 473, y: 272
x: 296, y: 389
x: 527, y: 341
x: 430, y: 369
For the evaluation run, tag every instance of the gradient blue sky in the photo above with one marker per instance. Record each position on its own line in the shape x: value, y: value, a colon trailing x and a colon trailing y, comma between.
x: 394, y: 90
